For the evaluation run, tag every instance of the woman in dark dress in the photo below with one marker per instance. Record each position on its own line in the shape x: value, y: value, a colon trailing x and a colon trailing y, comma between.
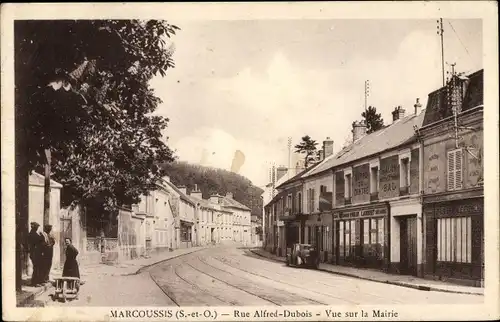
x: 70, y: 265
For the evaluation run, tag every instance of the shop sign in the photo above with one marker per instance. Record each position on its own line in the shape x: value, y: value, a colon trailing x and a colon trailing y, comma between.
x: 361, y: 213
x: 389, y: 177
x: 361, y: 183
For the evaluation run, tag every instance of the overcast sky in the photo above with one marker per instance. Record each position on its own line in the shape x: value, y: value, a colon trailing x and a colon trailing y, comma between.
x: 249, y: 85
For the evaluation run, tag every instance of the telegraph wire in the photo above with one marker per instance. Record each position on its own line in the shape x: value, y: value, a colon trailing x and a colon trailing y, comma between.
x: 461, y: 42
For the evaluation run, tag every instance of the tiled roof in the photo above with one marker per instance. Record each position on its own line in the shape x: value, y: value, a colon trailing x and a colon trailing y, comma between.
x: 392, y: 136
x: 437, y: 108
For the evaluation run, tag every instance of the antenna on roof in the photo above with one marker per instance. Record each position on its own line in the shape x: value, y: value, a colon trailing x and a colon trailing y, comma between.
x: 440, y: 33
x: 367, y: 93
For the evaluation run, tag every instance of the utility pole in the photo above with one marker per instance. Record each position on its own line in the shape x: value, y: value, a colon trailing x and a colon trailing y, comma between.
x: 454, y: 101
x: 289, y: 156
x: 367, y: 93
x: 440, y: 33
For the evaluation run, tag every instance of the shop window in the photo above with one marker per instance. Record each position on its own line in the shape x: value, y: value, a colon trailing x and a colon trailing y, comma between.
x: 454, y: 240
x: 454, y: 169
x: 373, y: 237
x: 347, y: 238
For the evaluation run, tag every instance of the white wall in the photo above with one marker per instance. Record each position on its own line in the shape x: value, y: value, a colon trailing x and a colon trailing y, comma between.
x: 316, y: 183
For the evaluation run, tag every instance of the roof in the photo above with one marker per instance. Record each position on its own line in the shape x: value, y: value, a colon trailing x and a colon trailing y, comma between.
x: 36, y: 179
x: 300, y: 174
x: 182, y: 195
x: 398, y: 133
x: 437, y: 108
x: 230, y: 202
x: 203, y: 202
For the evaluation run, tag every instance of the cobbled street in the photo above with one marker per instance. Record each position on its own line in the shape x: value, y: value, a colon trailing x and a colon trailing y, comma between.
x: 234, y: 276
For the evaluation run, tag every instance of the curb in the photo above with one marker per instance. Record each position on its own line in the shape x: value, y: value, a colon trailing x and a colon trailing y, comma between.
x: 161, y: 261
x: 402, y: 284
x: 32, y: 298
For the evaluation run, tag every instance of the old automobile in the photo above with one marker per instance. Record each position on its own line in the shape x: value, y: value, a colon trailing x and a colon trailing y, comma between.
x: 304, y: 255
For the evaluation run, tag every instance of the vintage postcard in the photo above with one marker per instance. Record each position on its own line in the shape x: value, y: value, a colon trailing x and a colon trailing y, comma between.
x: 305, y: 161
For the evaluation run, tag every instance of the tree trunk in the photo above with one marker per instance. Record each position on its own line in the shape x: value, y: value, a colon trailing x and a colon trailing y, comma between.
x: 46, y: 192
x: 21, y: 199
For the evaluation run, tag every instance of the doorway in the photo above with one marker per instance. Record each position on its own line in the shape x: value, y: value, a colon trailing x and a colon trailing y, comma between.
x: 408, y: 245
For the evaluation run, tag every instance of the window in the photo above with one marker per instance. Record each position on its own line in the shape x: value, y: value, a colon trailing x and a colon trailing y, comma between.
x: 348, y: 186
x: 454, y: 240
x: 374, y: 180
x: 404, y: 169
x: 454, y: 169
x: 299, y: 202
x: 310, y: 200
x: 289, y: 202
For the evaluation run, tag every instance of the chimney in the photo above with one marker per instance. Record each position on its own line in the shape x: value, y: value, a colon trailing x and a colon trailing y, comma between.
x: 229, y: 195
x: 214, y: 199
x: 358, y: 130
x: 280, y: 172
x: 195, y: 193
x: 398, y: 113
x: 327, y: 147
x: 182, y: 189
x: 299, y: 167
x: 321, y: 154
x: 418, y: 107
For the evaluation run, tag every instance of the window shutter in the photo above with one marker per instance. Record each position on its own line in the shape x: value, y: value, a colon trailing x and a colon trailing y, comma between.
x: 458, y: 169
x: 451, y: 170
x: 313, y: 200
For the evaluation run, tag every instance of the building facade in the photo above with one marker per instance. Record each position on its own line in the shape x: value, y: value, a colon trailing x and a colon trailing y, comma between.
x: 453, y: 201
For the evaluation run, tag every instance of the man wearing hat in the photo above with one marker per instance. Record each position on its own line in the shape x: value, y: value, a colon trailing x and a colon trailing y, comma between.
x: 35, y: 243
x: 47, y: 252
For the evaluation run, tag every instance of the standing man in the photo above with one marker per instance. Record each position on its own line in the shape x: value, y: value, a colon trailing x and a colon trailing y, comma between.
x: 35, y: 243
x: 48, y: 251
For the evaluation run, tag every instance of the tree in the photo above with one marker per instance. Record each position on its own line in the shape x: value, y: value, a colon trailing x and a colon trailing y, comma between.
x: 82, y: 93
x: 216, y: 181
x: 374, y: 121
x: 96, y: 114
x: 308, y: 147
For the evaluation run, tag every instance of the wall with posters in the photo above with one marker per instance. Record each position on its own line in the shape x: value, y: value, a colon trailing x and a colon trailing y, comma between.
x: 389, y: 177
x: 361, y: 183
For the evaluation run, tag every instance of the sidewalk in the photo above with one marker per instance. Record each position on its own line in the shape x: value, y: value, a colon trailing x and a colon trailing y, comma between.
x: 381, y: 277
x: 28, y: 295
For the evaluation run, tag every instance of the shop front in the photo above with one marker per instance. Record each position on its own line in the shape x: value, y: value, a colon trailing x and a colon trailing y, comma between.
x: 291, y: 232
x: 454, y: 239
x: 362, y: 236
x: 319, y: 232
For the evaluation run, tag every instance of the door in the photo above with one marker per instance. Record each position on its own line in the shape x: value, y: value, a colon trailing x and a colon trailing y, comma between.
x: 66, y: 232
x: 408, y: 245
